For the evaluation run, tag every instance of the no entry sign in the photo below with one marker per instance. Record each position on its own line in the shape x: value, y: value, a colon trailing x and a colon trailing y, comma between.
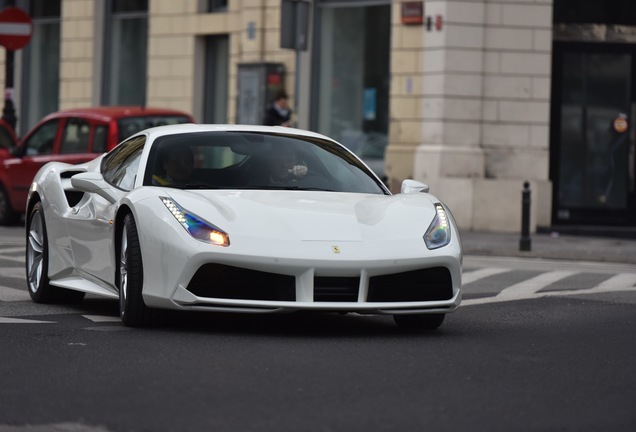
x: 16, y: 28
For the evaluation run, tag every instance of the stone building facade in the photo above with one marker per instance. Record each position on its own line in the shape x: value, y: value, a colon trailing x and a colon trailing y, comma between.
x: 464, y: 103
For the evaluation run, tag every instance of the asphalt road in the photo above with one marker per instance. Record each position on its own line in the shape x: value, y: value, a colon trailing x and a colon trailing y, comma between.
x: 535, y: 347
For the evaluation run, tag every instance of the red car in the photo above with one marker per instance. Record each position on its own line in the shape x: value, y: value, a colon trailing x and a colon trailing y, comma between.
x: 72, y: 136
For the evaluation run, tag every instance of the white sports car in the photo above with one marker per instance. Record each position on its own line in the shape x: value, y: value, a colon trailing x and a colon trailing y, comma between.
x: 241, y: 219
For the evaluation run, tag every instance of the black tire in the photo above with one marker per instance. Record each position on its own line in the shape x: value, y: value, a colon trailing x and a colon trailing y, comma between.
x: 37, y: 263
x: 130, y: 276
x: 8, y: 216
x: 419, y: 322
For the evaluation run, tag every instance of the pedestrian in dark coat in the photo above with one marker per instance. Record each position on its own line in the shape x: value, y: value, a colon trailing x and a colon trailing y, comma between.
x: 279, y: 113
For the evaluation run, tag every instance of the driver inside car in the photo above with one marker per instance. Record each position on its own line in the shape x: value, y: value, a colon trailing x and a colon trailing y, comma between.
x: 177, y: 164
x: 285, y: 167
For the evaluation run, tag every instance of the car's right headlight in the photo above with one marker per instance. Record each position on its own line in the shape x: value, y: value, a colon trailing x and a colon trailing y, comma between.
x: 195, y: 226
x: 438, y: 233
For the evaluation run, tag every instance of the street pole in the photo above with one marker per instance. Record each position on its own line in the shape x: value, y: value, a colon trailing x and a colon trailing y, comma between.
x: 525, y: 242
x: 8, y: 112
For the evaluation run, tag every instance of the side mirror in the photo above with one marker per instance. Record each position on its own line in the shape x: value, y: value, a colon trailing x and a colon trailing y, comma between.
x: 413, y: 186
x: 92, y: 182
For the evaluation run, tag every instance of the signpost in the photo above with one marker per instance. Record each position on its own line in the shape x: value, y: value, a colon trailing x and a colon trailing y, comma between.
x: 16, y: 29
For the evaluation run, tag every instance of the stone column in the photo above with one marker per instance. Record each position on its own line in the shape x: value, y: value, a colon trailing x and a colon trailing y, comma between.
x: 482, y: 101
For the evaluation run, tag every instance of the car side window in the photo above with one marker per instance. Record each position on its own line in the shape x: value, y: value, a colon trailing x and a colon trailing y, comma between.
x: 100, y: 139
x: 42, y: 139
x: 75, y: 137
x: 120, y: 166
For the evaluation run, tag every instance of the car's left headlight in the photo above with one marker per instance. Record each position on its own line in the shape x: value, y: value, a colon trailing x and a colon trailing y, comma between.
x: 195, y: 226
x: 438, y: 233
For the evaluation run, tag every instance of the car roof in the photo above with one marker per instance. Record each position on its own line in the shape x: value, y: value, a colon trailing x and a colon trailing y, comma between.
x: 107, y: 113
x: 194, y: 128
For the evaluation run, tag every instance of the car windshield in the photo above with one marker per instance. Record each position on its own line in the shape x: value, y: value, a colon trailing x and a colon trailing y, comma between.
x: 264, y: 161
x: 131, y: 125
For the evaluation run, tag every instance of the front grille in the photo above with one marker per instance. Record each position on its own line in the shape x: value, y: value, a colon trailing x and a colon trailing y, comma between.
x: 228, y: 282
x: 336, y: 289
x: 432, y: 284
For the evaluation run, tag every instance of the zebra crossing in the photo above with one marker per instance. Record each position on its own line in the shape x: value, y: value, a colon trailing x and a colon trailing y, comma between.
x: 485, y: 280
x: 546, y: 284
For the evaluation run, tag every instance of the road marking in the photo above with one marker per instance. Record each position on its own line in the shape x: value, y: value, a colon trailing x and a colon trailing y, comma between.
x: 620, y: 282
x: 12, y: 294
x: 530, y: 288
x: 14, y: 272
x: 13, y: 249
x: 18, y: 259
x: 102, y: 318
x: 4, y: 320
x: 472, y: 276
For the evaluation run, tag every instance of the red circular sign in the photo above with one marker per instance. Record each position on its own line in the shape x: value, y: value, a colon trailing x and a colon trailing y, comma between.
x: 16, y: 28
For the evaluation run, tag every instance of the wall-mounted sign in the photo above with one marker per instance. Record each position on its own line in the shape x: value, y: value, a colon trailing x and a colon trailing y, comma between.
x: 412, y: 12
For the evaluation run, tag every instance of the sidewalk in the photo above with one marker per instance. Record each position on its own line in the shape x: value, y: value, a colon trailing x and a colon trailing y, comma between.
x: 551, y: 246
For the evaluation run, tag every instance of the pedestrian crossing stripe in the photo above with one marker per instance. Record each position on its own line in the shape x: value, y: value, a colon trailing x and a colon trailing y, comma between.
x: 11, y: 294
x: 102, y: 318
x: 4, y: 320
x: 531, y: 288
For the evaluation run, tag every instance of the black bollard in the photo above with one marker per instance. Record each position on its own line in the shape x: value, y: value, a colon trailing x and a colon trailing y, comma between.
x: 525, y: 243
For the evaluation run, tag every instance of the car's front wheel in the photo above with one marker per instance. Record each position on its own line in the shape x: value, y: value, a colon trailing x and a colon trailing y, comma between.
x: 419, y: 322
x: 130, y: 276
x: 37, y: 263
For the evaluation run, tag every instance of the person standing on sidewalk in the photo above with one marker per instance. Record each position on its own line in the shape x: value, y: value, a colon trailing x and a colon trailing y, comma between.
x: 279, y: 113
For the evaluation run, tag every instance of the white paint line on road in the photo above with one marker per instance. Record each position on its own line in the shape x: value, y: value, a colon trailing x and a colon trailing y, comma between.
x: 530, y: 286
x: 102, y: 318
x: 13, y: 250
x: 19, y: 259
x: 14, y: 272
x: 472, y: 276
x: 617, y: 283
x: 11, y: 294
x: 4, y: 320
x: 620, y: 282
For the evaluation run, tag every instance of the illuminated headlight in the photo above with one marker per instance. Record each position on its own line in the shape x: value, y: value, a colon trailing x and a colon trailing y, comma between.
x: 438, y: 233
x: 196, y: 227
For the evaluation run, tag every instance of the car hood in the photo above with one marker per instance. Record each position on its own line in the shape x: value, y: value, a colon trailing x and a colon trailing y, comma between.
x: 319, y: 216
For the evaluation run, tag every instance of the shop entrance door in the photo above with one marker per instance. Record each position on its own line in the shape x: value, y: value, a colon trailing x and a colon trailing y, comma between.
x: 593, y: 143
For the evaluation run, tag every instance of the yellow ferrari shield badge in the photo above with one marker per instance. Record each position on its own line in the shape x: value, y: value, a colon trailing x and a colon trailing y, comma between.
x: 335, y: 249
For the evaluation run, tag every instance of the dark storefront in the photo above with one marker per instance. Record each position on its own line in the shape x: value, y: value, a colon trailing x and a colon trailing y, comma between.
x: 593, y: 143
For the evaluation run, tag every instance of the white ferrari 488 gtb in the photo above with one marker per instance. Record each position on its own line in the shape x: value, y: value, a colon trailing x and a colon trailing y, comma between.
x: 240, y: 219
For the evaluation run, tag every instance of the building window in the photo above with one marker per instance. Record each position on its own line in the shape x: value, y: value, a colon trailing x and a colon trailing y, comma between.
x: 621, y: 12
x: 125, y: 53
x: 352, y: 65
x: 217, y: 54
x: 217, y: 5
x: 41, y: 64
